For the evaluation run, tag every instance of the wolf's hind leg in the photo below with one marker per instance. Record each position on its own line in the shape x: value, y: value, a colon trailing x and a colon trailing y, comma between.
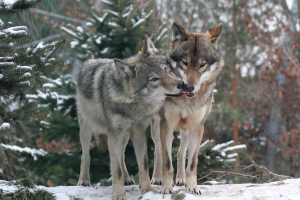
x: 139, y: 140
x: 195, y: 138
x: 155, y: 134
x: 127, y: 179
x: 115, y: 142
x: 85, y: 139
x: 181, y: 156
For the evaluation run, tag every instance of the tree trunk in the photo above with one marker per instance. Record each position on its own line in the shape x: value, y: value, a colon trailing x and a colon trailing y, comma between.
x: 275, y: 114
x: 235, y: 85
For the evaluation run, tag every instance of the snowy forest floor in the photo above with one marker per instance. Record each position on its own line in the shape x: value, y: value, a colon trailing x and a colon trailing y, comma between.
x: 285, y: 190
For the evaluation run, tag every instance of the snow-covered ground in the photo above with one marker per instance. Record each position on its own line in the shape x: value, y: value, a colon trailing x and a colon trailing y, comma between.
x: 283, y: 190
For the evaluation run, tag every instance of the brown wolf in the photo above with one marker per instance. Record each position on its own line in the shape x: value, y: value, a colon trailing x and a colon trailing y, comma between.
x: 195, y: 59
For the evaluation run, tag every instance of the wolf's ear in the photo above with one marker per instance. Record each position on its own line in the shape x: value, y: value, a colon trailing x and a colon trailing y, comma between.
x: 125, y: 67
x: 148, y: 47
x: 179, y: 33
x: 215, y: 32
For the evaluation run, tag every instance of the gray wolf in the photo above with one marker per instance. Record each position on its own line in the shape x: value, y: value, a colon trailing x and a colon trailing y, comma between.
x: 117, y: 98
x: 195, y: 59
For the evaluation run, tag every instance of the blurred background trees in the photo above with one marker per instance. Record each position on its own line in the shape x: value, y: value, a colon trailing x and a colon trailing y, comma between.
x: 256, y: 98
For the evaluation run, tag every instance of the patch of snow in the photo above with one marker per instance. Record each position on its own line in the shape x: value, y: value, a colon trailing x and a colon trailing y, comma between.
x: 98, y: 40
x: 290, y: 3
x: 49, y: 85
x: 204, y: 144
x: 16, y: 31
x: 212, y: 183
x: 9, y: 1
x: 74, y: 43
x: 104, y: 50
x: 69, y: 32
x: 5, y: 126
x: 89, y: 24
x: 285, y: 190
x: 24, y: 67
x: 113, y: 24
x: 1, y: 76
x: 26, y: 75
x: 80, y: 29
x: 24, y: 84
x: 107, y: 2
x: 219, y: 147
x: 33, y: 152
x: 162, y: 34
x: 237, y: 147
x: 232, y: 155
x: 138, y: 23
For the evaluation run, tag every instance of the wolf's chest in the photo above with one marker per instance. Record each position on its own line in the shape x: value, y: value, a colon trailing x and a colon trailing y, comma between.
x: 186, y: 118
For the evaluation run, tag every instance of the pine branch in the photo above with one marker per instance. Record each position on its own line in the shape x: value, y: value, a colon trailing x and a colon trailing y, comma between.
x: 17, y: 6
x: 261, y: 168
x: 50, y: 56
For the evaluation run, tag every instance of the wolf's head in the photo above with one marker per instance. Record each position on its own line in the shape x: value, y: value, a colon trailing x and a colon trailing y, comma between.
x: 194, y: 57
x: 149, y: 74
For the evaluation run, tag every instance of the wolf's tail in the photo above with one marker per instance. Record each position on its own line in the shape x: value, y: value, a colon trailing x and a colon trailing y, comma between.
x: 101, y: 141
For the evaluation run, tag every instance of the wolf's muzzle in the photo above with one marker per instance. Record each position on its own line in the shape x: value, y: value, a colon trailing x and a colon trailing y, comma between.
x: 187, y: 89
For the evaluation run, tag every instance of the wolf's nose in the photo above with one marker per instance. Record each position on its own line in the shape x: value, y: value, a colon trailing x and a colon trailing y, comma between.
x: 189, y: 88
x: 180, y: 85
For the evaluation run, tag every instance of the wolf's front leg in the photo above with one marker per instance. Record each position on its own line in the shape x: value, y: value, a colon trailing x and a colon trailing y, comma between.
x: 195, y: 138
x: 155, y: 134
x: 127, y: 179
x: 115, y: 153
x: 181, y: 156
x: 166, y: 137
x: 85, y: 140
x: 140, y: 147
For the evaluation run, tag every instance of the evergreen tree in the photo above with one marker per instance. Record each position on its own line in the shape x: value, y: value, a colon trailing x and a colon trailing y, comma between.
x: 117, y: 33
x: 21, y: 73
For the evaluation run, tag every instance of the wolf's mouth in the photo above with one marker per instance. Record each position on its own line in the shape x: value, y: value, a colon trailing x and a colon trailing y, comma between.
x: 189, y: 94
x: 175, y: 95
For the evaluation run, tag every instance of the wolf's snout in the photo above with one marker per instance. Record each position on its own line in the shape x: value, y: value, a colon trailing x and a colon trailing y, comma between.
x: 188, y: 87
x: 180, y: 85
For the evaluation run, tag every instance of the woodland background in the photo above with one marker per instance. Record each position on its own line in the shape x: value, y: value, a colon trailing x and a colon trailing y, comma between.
x: 256, y: 111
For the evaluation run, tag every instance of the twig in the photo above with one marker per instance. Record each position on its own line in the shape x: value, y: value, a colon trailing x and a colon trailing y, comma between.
x: 289, y: 57
x: 262, y: 168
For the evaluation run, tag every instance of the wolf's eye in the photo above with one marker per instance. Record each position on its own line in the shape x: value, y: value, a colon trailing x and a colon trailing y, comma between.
x: 184, y: 61
x: 202, y: 64
x: 153, y: 79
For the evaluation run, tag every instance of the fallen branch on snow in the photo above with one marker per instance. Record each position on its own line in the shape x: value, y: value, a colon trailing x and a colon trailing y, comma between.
x: 263, y: 176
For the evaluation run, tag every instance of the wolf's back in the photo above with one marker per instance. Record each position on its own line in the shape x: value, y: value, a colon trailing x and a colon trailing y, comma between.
x: 85, y: 79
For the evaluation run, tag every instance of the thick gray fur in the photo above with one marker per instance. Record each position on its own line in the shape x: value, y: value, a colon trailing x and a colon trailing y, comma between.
x: 117, y: 98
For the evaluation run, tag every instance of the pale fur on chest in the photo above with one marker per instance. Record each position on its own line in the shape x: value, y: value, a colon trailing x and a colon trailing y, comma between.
x: 186, y: 117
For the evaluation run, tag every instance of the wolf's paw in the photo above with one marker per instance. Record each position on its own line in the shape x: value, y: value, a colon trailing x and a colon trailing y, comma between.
x: 193, y: 190
x: 148, y: 189
x: 118, y: 197
x: 166, y: 190
x: 83, y: 183
x: 180, y: 181
x: 156, y: 181
x: 129, y: 181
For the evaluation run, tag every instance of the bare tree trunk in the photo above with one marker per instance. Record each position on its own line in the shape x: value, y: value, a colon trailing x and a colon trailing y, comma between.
x: 275, y: 114
x: 235, y: 84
